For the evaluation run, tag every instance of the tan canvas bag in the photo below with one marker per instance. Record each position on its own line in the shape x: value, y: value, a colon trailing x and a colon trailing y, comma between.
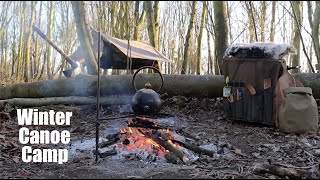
x: 298, y: 112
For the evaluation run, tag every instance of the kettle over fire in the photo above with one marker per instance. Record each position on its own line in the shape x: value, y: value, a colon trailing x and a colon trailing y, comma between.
x: 146, y: 100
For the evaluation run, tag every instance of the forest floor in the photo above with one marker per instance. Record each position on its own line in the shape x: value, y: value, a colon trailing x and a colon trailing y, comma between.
x: 248, y: 145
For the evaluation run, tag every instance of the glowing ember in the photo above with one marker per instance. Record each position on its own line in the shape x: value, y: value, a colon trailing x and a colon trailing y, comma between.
x: 134, y: 141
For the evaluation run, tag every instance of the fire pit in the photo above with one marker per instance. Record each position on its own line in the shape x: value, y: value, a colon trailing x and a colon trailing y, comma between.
x: 146, y: 139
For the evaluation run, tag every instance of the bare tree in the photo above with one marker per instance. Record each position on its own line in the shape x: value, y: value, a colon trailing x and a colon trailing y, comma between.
x: 188, y: 37
x: 297, y: 8
x: 83, y: 32
x: 221, y: 30
x: 28, y: 45
x: 199, y: 49
x: 273, y: 12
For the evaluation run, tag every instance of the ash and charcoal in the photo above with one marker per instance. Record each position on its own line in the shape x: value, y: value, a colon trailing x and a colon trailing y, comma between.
x: 150, y: 140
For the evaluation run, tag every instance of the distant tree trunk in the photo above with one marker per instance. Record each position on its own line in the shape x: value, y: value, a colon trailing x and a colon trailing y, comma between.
x: 297, y: 7
x: 50, y: 35
x: 28, y: 45
x: 156, y: 24
x: 273, y: 11
x: 221, y: 30
x: 152, y: 14
x: 138, y: 21
x: 83, y: 35
x: 209, y: 55
x: 263, y: 20
x: 251, y: 29
x: 21, y: 46
x: 315, y: 27
x: 188, y: 37
x: 37, y: 51
x: 199, y: 49
x: 150, y: 23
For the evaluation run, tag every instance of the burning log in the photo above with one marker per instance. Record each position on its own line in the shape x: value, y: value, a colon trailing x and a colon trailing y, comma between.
x: 169, y: 146
x: 195, y: 148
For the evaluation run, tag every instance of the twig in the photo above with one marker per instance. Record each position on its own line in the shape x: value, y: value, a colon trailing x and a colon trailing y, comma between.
x: 295, y: 167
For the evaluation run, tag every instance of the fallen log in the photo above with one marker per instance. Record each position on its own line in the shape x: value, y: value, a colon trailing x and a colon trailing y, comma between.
x: 202, y: 86
x: 311, y: 80
x: 283, y: 172
x: 85, y: 86
x: 71, y: 100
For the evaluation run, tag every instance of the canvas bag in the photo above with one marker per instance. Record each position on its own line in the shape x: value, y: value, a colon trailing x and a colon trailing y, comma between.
x: 298, y: 112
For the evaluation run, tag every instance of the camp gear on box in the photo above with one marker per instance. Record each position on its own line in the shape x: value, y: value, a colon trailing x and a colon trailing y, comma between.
x: 298, y: 112
x: 253, y: 71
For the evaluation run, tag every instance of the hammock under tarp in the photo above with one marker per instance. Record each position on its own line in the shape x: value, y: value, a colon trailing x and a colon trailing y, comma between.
x: 114, y: 53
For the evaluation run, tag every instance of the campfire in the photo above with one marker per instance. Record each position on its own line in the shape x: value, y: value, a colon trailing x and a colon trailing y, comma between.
x: 148, y: 140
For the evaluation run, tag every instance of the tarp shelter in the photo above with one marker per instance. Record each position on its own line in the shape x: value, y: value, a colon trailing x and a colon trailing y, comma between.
x: 114, y: 53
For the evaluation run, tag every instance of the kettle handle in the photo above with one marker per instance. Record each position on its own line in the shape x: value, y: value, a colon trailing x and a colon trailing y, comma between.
x: 147, y: 67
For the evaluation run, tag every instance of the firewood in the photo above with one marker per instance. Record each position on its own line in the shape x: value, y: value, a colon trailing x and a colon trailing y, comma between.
x: 109, y: 142
x: 143, y: 122
x: 283, y: 172
x: 168, y: 146
x: 107, y: 153
x: 171, y: 158
x: 195, y: 148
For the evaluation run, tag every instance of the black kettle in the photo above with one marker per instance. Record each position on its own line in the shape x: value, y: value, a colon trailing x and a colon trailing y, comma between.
x: 146, y: 100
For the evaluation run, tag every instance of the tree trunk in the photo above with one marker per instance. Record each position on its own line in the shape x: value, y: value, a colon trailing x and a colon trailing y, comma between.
x: 37, y: 51
x: 315, y: 30
x: 273, y: 11
x: 138, y: 21
x: 188, y: 37
x: 199, y: 49
x: 28, y: 45
x: 150, y: 22
x: 84, y: 36
x: 210, y: 63
x: 21, y: 46
x: 263, y: 20
x: 297, y: 8
x: 203, y: 86
x: 221, y: 30
x: 50, y: 34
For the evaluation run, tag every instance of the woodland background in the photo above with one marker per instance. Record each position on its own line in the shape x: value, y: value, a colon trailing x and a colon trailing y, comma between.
x: 192, y: 34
